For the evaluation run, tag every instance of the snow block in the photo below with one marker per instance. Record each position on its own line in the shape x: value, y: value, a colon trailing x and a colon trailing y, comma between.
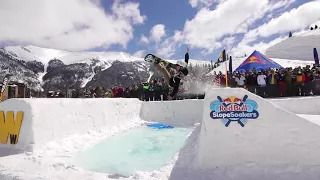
x: 45, y: 120
x: 254, y: 140
x: 177, y: 113
x: 302, y: 105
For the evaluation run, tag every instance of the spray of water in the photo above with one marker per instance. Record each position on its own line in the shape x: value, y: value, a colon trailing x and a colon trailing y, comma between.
x: 150, y: 75
x: 198, y: 82
x: 197, y: 86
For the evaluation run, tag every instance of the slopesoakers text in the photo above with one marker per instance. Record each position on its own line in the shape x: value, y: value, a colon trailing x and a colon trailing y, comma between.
x: 234, y: 109
x: 242, y: 114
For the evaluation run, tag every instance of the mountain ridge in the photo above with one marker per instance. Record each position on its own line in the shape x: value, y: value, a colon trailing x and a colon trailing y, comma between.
x: 51, y: 69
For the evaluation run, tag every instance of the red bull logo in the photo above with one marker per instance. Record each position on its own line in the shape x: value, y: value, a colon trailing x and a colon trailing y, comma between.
x: 234, y: 109
x: 253, y: 59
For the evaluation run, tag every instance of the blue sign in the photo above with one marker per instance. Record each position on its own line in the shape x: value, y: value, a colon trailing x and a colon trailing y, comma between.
x: 234, y: 109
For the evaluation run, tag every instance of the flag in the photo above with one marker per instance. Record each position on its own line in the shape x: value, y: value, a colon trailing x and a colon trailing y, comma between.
x: 316, y: 57
x: 227, y: 76
x: 230, y: 65
x: 222, y: 56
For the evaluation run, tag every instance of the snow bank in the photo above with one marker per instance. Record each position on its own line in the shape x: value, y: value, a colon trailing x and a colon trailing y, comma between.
x: 185, y: 113
x: 303, y: 105
x: 45, y: 120
x: 276, y: 145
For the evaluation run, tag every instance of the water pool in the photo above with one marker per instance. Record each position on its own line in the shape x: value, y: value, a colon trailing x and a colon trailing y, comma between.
x: 139, y: 149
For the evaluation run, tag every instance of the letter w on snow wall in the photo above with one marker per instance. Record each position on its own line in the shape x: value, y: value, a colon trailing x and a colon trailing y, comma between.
x: 10, y: 127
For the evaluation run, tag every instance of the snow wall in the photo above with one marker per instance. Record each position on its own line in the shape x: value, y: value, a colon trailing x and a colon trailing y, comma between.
x: 178, y: 113
x: 45, y: 120
x: 271, y: 143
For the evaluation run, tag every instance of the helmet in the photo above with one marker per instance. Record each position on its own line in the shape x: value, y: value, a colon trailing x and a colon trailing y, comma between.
x: 182, y: 63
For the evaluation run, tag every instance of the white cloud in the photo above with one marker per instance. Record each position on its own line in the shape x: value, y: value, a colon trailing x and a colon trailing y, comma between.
x: 168, y: 47
x: 203, y: 3
x: 266, y: 7
x: 228, y: 42
x: 129, y: 11
x: 244, y: 48
x: 69, y: 25
x: 209, y: 27
x: 139, y: 54
x: 157, y: 32
x: 295, y: 20
x: 315, y: 23
x: 144, y: 39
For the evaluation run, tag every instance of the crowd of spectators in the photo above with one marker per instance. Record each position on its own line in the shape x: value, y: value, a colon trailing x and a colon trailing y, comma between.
x: 155, y: 90
x: 271, y: 83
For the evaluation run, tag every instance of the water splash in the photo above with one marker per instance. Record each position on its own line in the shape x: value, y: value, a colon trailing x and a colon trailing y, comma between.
x: 150, y: 75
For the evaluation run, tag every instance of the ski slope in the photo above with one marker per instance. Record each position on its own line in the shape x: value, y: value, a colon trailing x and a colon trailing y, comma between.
x: 297, y: 47
x: 54, y: 130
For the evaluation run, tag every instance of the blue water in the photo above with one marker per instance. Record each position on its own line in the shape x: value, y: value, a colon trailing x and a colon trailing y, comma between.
x: 139, y: 149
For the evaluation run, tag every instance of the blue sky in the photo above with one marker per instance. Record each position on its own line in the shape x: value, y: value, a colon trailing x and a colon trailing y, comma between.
x: 162, y: 27
x: 173, y: 15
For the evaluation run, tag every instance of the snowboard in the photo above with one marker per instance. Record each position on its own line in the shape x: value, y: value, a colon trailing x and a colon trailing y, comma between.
x: 151, y: 58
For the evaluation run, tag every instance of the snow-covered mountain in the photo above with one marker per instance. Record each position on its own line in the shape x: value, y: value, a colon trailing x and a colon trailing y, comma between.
x: 52, y: 69
x: 297, y: 47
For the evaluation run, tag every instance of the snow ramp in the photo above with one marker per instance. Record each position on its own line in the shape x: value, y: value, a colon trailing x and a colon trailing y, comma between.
x: 246, y: 137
